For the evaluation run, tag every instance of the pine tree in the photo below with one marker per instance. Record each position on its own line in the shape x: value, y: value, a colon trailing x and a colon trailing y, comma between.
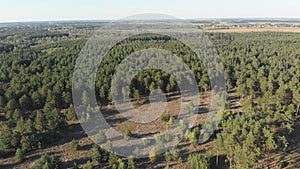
x: 25, y: 143
x: 96, y: 155
x: 153, y: 155
x: 74, y: 145
x: 5, y: 137
x: 113, y: 160
x: 71, y: 115
x: 39, y: 122
x: 198, y: 161
x: 131, y: 163
x: 88, y: 165
x: 17, y: 114
x: 121, y: 164
x: 25, y: 102
x: 19, y: 155
x: 100, y: 137
x: 52, y: 119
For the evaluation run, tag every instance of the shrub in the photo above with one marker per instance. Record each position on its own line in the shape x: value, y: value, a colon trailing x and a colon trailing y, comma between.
x: 108, y: 146
x: 168, y: 156
x: 113, y: 160
x: 152, y: 155
x: 75, y: 165
x: 172, y: 155
x: 127, y: 134
x: 160, y: 139
x: 74, y: 145
x: 198, y: 161
x: 168, y: 137
x: 136, y: 151
x: 170, y: 122
x: 166, y: 117
x: 121, y: 164
x: 167, y: 167
x: 175, y: 153
x: 100, y: 137
x: 227, y: 105
x: 88, y: 165
x: 193, y: 136
x: 46, y: 161
x: 131, y: 163
x: 183, y: 126
x: 147, y: 141
x: 180, y: 160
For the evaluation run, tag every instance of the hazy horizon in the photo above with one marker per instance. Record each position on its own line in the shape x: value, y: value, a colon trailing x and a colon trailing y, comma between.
x: 65, y: 10
x: 191, y: 19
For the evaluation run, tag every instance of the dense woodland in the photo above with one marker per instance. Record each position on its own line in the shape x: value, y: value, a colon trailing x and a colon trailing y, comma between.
x: 36, y: 99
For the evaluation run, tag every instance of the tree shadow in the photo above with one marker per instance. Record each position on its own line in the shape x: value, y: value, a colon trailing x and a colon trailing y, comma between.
x: 27, y: 159
x: 235, y: 107
x: 9, y: 166
x: 219, y: 163
x: 85, y: 147
x: 72, y: 132
x: 202, y: 110
x: 233, y: 98
x: 145, y: 135
x: 70, y: 164
x: 113, y: 122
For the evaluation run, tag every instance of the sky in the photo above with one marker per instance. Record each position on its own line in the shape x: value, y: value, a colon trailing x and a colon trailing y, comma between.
x: 50, y: 10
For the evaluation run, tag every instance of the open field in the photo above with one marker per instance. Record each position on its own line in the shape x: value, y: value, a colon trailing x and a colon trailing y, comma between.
x: 254, y: 29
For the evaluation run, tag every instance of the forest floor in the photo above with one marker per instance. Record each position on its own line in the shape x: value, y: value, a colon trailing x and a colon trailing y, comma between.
x: 62, y: 147
x: 290, y: 159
